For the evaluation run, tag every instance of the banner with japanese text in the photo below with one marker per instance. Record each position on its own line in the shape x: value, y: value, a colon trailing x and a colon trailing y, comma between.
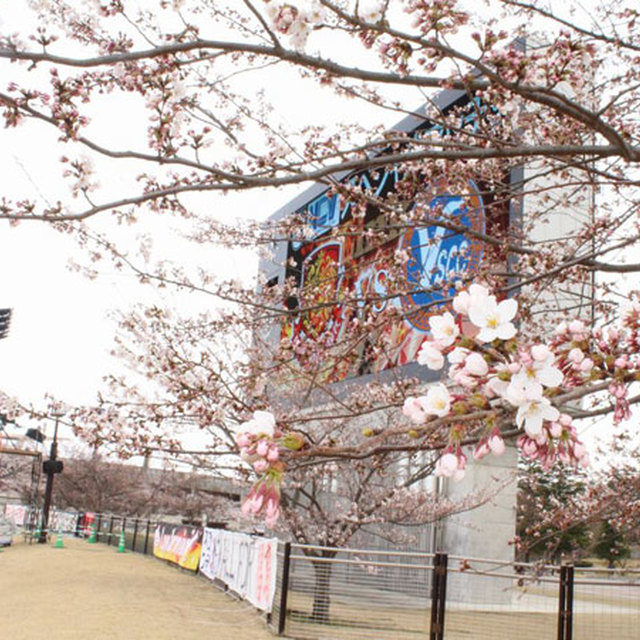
x: 17, y: 513
x: 246, y: 564
x: 180, y: 544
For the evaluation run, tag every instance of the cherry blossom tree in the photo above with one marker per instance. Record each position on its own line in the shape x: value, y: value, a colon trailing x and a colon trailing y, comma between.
x: 92, y: 483
x: 543, y: 133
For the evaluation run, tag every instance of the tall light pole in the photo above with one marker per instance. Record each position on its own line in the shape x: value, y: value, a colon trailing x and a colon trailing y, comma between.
x: 50, y: 467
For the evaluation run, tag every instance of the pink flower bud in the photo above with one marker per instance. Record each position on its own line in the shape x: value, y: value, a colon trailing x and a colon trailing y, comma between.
x: 576, y: 326
x: 243, y: 440
x: 496, y: 444
x: 575, y: 355
x: 260, y: 466
x: 273, y: 454
x: 481, y: 450
x: 586, y: 365
x: 476, y: 365
x: 263, y: 448
x: 555, y: 429
x: 461, y: 303
x: 513, y: 367
x: 540, y: 352
x: 447, y: 465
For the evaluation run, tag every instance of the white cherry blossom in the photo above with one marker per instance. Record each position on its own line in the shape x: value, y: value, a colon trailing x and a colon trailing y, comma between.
x: 413, y: 408
x: 262, y: 423
x: 437, y: 402
x: 532, y: 413
x: 537, y: 372
x: 476, y: 293
x: 430, y: 356
x: 444, y: 329
x: 493, y: 318
x: 476, y: 365
x: 458, y: 355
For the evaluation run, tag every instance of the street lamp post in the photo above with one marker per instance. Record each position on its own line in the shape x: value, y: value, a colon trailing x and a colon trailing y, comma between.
x: 50, y: 467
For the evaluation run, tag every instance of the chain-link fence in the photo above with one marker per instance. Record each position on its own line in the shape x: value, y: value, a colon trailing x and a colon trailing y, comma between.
x: 363, y: 594
x: 327, y: 593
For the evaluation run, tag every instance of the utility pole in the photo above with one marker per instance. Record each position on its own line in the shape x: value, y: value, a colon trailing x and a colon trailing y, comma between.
x: 50, y: 467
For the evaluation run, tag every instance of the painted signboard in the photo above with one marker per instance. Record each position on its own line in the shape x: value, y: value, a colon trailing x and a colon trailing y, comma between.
x: 342, y: 275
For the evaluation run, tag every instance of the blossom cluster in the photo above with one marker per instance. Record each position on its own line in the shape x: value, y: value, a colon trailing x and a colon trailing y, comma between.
x: 490, y: 370
x: 296, y: 22
x: 260, y: 442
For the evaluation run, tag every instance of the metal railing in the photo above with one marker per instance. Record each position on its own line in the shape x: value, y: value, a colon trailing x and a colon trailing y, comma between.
x: 374, y: 595
x: 106, y: 527
x: 327, y: 593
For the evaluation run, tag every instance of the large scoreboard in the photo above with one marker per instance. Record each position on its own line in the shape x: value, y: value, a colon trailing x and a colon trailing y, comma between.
x: 340, y: 273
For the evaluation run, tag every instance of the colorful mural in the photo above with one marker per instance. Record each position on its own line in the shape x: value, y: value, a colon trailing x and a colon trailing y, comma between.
x: 342, y: 274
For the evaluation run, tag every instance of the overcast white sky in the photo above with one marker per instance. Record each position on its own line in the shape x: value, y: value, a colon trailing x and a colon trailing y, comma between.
x: 60, y: 334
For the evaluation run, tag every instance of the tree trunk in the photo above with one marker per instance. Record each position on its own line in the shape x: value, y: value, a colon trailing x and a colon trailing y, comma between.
x: 321, y: 591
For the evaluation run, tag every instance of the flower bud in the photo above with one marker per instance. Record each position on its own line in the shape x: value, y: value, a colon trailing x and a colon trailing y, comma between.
x: 293, y: 441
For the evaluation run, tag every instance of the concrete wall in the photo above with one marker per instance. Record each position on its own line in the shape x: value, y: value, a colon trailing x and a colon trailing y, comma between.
x: 483, y: 532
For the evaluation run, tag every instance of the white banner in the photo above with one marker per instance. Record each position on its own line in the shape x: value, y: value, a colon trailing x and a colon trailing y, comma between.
x: 16, y: 513
x: 246, y: 564
x: 63, y: 521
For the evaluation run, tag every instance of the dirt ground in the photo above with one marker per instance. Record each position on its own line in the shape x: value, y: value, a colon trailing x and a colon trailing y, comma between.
x: 91, y: 591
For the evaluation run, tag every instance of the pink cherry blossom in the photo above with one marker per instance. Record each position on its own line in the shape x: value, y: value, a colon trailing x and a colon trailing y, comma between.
x: 476, y: 294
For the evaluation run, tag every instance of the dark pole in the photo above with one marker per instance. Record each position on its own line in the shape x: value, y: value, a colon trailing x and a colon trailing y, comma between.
x: 135, y: 534
x: 146, y: 538
x: 565, y: 603
x: 438, y: 596
x: 50, y: 469
x: 284, y: 589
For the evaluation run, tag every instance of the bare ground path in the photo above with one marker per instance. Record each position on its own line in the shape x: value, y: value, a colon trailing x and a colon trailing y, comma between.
x: 91, y: 591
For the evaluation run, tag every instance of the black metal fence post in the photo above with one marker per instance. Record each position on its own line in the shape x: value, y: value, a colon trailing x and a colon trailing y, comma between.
x: 110, y: 531
x: 98, y: 524
x: 135, y: 534
x: 565, y: 603
x: 284, y: 592
x: 146, y: 538
x: 123, y: 528
x: 438, y: 596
